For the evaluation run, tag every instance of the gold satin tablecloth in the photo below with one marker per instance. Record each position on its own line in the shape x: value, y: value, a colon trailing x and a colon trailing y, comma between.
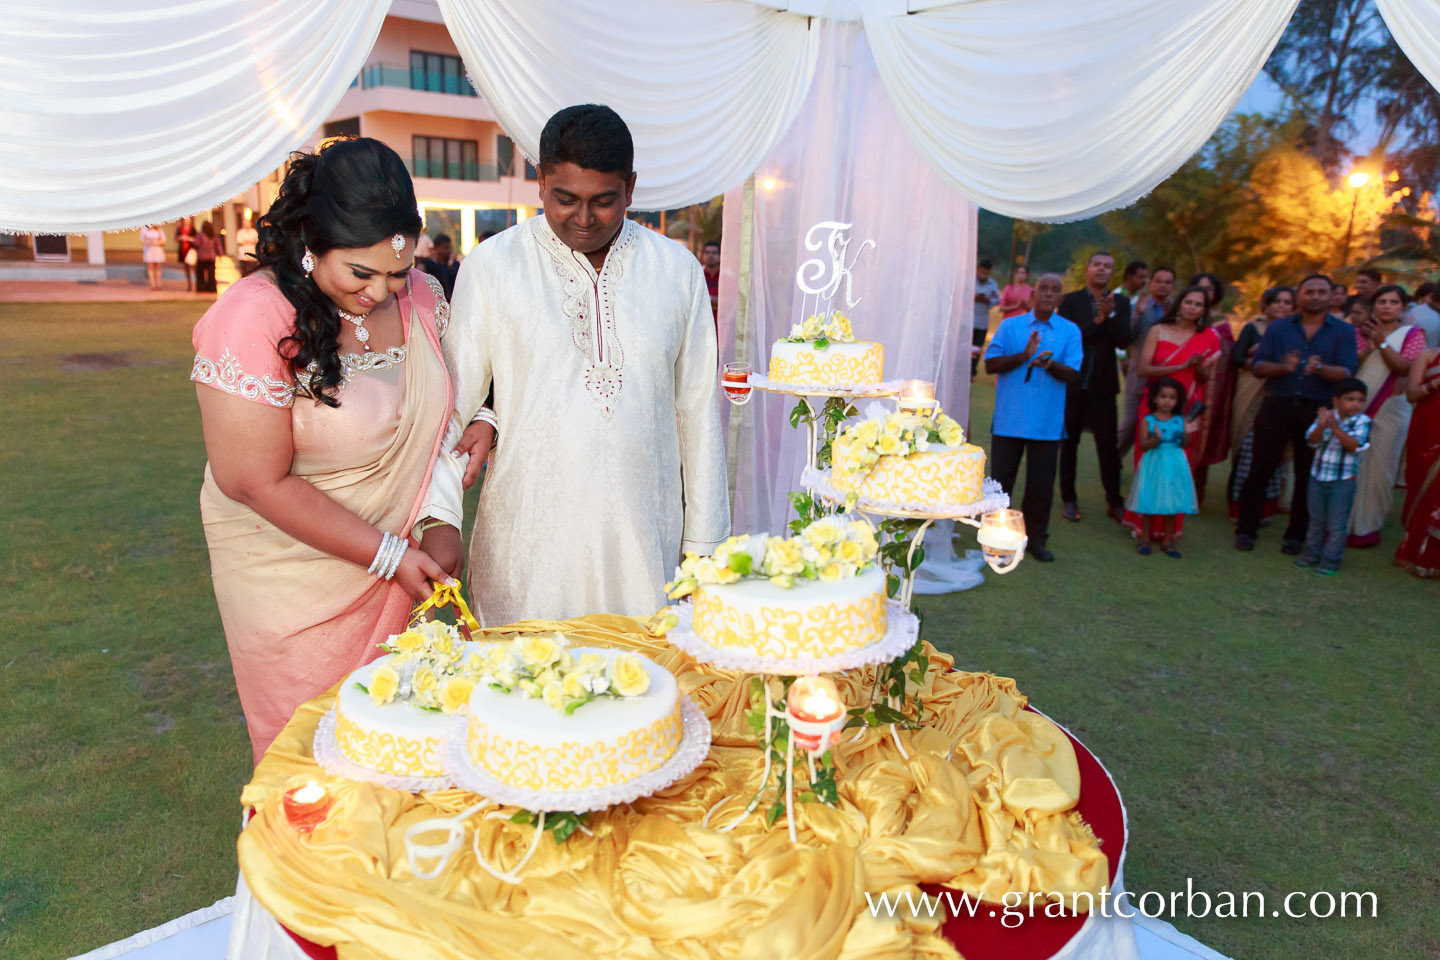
x: 984, y: 805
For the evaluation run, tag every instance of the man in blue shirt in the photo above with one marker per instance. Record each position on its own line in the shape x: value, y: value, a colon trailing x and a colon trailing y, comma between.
x: 1033, y: 356
x: 1302, y: 357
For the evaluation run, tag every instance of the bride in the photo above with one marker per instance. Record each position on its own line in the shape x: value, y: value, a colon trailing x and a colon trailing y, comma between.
x: 323, y: 398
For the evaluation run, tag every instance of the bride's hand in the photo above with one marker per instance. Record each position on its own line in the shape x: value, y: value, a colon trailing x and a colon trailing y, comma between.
x: 418, y: 574
x: 475, y: 441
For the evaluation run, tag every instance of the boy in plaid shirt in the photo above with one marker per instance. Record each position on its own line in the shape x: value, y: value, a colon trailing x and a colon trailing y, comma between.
x: 1339, y: 436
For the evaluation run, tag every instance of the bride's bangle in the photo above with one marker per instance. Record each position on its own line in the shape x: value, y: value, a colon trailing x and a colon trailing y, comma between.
x: 388, y: 572
x: 387, y: 557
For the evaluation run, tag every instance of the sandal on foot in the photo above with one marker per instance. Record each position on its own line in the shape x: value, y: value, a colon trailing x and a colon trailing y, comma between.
x: 1170, y: 552
x: 1143, y: 549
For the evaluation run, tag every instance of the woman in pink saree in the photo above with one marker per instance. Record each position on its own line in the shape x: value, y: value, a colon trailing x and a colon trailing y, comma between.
x: 1180, y: 346
x: 323, y: 397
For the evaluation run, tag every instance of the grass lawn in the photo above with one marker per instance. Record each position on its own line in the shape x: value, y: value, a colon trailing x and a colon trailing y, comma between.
x: 1266, y: 727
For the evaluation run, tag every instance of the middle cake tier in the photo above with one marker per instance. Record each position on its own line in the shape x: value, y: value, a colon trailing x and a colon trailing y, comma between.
x: 814, y: 618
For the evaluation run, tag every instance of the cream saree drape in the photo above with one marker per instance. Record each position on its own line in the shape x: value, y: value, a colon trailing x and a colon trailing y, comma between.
x: 1379, y: 467
x: 298, y: 620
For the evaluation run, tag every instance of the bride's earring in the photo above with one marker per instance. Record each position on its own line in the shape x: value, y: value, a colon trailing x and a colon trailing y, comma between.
x: 307, y: 263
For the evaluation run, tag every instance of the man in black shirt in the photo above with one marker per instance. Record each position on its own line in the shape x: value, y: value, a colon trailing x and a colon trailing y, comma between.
x: 1104, y: 322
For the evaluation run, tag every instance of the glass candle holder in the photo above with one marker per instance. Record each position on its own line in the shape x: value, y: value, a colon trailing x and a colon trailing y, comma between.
x: 815, y: 712
x: 736, y: 381
x: 917, y: 396
x: 306, y: 804
x: 1002, y: 539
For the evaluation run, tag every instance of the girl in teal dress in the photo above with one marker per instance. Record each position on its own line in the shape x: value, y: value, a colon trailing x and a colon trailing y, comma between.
x: 1163, y: 487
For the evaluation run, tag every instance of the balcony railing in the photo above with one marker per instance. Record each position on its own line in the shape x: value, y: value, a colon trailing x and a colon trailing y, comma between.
x: 482, y: 172
x: 409, y: 78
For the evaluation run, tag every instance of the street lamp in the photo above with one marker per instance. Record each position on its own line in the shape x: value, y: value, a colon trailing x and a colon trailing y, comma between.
x: 1357, y: 180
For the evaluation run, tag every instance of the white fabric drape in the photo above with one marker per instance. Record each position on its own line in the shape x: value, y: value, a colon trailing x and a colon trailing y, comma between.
x: 121, y: 114
x: 1415, y: 25
x: 707, y: 88
x: 1061, y: 110
x: 846, y: 158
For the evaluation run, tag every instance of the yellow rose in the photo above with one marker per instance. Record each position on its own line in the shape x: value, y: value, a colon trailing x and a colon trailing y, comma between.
x: 812, y: 327
x: 889, y: 445
x: 830, y: 572
x: 424, y: 682
x: 530, y: 688
x: 554, y: 694
x: 456, y: 693
x: 839, y: 329
x: 408, y: 642
x: 867, y: 431
x: 628, y: 675
x: 782, y: 557
x: 383, y: 685
x: 952, y: 436
x: 850, y: 552
x: 540, y: 650
x: 574, y: 686
x: 476, y: 663
x: 822, y: 556
x: 821, y: 532
x: 442, y: 646
x: 592, y: 663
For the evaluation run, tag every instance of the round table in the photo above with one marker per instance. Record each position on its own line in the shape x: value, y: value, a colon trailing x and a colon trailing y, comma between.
x: 984, y: 936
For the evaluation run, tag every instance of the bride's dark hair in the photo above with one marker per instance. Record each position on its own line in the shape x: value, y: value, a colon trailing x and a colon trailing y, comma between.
x: 348, y: 194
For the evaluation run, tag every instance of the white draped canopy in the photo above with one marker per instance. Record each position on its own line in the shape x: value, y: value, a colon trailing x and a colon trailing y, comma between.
x: 120, y: 114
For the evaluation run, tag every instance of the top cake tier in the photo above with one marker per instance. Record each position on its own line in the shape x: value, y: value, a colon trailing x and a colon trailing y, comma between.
x: 834, y: 365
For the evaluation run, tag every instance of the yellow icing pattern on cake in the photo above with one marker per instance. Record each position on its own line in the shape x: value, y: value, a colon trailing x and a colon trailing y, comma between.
x: 388, y: 753
x: 575, y: 766
x: 932, y: 476
x: 783, y: 632
x: 829, y: 366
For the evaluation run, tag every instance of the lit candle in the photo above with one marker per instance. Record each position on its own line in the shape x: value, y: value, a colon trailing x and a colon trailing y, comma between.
x: 1002, y: 538
x: 815, y: 713
x: 306, y: 806
x: 917, y: 395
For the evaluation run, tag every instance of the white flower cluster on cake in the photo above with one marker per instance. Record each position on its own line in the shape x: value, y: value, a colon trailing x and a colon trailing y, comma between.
x: 428, y: 668
x: 823, y: 329
x: 542, y: 667
x: 828, y: 549
x: 424, y: 668
x: 892, y: 433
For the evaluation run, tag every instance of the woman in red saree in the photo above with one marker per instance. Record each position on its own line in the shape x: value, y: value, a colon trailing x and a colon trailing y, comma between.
x: 1182, y: 347
x: 1419, y: 550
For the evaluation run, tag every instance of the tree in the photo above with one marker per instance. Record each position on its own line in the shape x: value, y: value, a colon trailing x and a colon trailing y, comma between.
x: 1327, y: 61
x: 1186, y: 221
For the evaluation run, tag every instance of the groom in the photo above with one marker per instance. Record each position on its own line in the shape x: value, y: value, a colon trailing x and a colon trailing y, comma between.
x: 596, y: 337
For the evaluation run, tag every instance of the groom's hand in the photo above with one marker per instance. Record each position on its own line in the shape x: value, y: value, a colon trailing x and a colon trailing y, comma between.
x: 476, y: 441
x: 445, y: 547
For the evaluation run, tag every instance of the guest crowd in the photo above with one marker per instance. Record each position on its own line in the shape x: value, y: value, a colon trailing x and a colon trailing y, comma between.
x: 1330, y: 393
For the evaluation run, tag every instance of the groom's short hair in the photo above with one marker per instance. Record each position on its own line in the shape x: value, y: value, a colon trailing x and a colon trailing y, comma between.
x: 590, y: 136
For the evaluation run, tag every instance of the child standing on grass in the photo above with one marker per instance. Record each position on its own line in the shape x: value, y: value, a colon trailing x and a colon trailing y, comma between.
x: 1163, y: 487
x: 1339, y: 436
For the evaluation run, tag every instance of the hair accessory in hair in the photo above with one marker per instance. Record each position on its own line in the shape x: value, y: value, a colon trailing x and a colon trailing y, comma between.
x: 397, y: 243
x: 307, y: 263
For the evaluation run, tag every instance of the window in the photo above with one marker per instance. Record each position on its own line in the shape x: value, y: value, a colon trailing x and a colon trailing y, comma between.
x: 530, y: 172
x: 505, y: 155
x: 445, y: 159
x: 342, y: 128
x: 439, y: 73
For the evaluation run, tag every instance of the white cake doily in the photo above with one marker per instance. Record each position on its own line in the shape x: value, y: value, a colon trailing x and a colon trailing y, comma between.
x: 853, y: 391
x: 901, y: 631
x: 992, y: 497
x: 333, y: 760
x: 694, y: 747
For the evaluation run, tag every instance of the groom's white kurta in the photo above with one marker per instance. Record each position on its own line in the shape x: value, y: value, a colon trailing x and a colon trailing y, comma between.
x: 609, y: 460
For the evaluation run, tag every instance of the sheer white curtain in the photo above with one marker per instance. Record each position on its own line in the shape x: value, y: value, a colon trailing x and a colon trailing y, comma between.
x: 707, y: 88
x: 846, y: 158
x: 120, y: 114
x: 1415, y: 25
x: 1061, y: 110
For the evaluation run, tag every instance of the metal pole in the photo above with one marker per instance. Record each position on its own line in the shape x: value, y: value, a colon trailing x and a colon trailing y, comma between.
x: 1350, y: 227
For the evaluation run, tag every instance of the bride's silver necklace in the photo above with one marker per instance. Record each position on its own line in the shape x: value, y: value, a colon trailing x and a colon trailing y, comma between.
x: 361, y: 333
